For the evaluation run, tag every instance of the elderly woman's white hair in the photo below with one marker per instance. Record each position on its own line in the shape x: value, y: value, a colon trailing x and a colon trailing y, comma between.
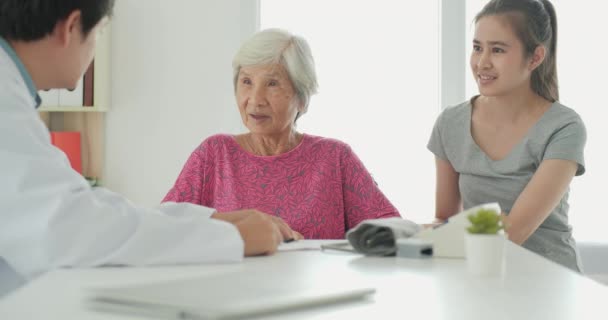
x: 276, y: 46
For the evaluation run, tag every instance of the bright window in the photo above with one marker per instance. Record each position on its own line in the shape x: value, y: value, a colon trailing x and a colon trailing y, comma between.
x: 377, y: 63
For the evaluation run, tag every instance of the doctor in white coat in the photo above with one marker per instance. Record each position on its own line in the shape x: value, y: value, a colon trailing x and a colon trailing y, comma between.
x: 49, y: 216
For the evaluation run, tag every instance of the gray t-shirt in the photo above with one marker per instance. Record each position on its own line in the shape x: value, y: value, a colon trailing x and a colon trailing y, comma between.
x: 558, y: 134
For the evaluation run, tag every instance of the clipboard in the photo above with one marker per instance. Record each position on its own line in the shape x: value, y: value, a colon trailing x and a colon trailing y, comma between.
x: 339, y: 246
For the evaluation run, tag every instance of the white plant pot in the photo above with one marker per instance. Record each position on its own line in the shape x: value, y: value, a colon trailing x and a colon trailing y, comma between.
x: 485, y: 253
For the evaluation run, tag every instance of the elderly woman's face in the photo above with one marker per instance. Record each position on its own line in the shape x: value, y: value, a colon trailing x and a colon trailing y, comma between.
x: 266, y: 99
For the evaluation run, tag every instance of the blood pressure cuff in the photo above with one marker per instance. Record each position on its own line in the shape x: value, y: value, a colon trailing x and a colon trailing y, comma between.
x: 377, y: 237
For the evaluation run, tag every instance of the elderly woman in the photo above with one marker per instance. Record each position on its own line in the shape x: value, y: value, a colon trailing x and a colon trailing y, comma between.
x: 318, y: 186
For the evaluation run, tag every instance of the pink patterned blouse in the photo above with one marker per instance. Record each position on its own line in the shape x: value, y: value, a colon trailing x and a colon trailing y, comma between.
x: 320, y: 188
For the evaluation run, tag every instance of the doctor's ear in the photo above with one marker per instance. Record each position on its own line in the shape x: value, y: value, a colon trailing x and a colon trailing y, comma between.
x: 537, y: 57
x: 69, y: 29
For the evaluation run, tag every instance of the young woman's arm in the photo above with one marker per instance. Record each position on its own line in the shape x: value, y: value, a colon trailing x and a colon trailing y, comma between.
x: 539, y: 198
x: 447, y: 194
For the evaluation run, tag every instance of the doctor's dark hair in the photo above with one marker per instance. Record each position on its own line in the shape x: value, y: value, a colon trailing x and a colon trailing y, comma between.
x: 534, y: 23
x: 29, y: 20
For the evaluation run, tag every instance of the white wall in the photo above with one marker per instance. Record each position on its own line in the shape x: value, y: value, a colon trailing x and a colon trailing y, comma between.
x: 171, y: 87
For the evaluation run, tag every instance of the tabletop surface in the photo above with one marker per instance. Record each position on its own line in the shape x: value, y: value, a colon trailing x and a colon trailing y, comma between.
x: 530, y: 288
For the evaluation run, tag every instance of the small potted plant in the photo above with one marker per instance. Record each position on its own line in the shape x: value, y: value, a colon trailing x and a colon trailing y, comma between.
x: 485, y: 242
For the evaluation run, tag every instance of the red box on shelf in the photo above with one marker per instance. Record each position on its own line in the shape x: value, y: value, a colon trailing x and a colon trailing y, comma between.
x: 69, y: 143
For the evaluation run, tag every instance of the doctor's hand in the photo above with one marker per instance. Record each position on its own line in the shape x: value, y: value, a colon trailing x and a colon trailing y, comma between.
x: 261, y: 235
x: 286, y: 231
x: 236, y: 216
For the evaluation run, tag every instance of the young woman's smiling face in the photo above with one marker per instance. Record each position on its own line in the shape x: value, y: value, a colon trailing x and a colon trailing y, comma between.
x: 498, y: 62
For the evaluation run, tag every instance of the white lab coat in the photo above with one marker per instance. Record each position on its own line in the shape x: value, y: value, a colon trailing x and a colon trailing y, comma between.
x: 50, y: 217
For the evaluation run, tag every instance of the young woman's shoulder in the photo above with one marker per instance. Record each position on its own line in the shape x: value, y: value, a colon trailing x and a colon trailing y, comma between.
x: 564, y: 113
x: 461, y: 108
x: 453, y: 117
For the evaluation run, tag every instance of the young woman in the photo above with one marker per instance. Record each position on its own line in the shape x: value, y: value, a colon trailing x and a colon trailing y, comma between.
x: 514, y: 143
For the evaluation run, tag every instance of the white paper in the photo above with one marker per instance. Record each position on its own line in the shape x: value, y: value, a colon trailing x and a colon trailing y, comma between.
x: 300, y: 245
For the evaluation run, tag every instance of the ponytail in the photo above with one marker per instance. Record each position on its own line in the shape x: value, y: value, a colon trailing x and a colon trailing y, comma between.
x: 544, y: 78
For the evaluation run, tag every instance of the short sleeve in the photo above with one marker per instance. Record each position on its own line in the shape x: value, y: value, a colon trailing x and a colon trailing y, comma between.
x: 568, y: 143
x: 435, y: 144
x: 190, y: 183
x: 361, y: 195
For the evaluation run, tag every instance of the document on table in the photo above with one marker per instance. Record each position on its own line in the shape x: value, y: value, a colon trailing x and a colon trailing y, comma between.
x: 301, y: 245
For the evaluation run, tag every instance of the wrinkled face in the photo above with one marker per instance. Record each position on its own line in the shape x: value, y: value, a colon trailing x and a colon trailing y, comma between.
x: 79, y: 53
x: 497, y: 60
x: 267, y: 100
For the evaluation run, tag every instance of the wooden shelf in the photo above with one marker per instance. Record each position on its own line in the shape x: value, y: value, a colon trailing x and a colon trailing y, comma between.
x: 72, y: 109
x: 91, y: 126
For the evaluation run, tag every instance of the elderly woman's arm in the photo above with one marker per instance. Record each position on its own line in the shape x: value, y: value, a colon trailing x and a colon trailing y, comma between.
x: 362, y: 197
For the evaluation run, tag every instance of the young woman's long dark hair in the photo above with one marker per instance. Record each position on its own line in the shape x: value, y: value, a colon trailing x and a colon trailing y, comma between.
x: 534, y: 23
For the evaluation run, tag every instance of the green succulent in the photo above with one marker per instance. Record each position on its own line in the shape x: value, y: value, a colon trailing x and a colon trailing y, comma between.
x: 485, y: 221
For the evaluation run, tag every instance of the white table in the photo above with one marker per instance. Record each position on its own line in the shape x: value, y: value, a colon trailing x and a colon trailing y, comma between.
x: 531, y: 288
